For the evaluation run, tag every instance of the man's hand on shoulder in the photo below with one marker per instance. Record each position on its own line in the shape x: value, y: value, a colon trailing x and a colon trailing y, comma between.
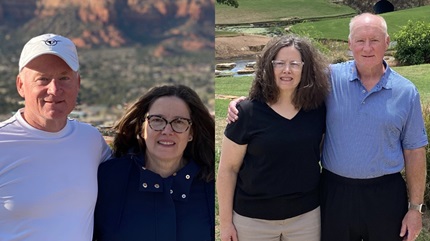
x: 232, y: 112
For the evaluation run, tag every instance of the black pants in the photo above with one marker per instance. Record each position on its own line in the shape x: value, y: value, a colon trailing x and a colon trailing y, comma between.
x: 362, y: 209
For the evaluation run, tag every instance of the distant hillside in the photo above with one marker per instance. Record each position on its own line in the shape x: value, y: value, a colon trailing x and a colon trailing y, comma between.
x: 112, y: 23
x: 125, y: 46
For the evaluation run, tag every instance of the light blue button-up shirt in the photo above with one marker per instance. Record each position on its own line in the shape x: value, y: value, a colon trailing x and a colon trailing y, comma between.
x: 368, y: 130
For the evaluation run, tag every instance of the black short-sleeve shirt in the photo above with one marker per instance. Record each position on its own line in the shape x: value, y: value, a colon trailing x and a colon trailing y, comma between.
x: 280, y: 172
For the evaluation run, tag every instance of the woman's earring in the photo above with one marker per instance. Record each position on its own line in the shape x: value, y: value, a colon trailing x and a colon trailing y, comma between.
x: 190, y: 138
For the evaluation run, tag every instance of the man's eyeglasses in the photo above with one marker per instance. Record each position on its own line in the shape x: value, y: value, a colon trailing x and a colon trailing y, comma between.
x: 293, y: 65
x: 158, y: 123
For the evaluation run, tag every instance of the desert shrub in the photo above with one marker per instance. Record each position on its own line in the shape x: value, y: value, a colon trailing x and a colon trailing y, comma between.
x: 413, y: 43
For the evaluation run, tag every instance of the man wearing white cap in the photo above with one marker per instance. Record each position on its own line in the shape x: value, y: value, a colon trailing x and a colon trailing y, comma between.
x: 48, y: 163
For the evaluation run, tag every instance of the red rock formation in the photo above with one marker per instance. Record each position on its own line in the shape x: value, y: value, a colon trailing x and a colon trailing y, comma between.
x: 120, y: 22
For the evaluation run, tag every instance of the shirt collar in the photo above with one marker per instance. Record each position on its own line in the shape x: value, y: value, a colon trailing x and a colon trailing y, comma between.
x: 178, y: 184
x: 385, y: 81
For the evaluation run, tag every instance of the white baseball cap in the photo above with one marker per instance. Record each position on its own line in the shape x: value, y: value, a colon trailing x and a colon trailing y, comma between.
x: 50, y: 44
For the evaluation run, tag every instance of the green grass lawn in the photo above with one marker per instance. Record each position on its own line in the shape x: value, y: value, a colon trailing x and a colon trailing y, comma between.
x: 419, y: 75
x: 338, y: 29
x: 233, y: 85
x: 251, y: 11
x: 229, y: 86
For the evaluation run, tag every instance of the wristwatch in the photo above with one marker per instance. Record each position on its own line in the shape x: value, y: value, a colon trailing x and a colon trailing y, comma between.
x: 419, y: 207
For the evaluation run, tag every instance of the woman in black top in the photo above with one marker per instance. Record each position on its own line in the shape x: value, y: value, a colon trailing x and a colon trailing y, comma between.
x: 269, y: 167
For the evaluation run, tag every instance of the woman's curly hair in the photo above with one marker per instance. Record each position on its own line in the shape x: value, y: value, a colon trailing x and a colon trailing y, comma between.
x: 314, y: 85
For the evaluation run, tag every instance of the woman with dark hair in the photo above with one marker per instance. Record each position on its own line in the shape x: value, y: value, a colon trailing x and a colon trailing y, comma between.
x: 160, y: 185
x: 269, y: 168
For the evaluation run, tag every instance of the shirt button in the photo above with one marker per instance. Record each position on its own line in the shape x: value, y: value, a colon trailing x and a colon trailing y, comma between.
x: 187, y: 176
x: 171, y: 191
x: 364, y: 91
x: 174, y: 174
x: 145, y: 185
x: 157, y: 186
x: 184, y: 196
x: 364, y: 102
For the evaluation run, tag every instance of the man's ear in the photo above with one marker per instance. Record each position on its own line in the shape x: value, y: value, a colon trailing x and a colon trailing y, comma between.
x: 387, y: 42
x: 20, y: 85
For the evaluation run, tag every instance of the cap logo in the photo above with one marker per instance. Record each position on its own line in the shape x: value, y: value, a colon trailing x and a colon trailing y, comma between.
x: 51, y: 42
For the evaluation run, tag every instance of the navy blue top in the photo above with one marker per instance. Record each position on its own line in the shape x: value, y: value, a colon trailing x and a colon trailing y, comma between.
x: 137, y: 204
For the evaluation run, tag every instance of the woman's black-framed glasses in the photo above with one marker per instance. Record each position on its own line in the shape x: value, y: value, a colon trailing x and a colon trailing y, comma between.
x: 158, y: 123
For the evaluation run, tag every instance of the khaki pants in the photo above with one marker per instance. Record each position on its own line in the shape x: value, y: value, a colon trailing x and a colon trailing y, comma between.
x: 305, y: 227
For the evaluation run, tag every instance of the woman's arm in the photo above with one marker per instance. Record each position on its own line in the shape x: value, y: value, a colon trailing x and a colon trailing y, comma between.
x: 230, y: 162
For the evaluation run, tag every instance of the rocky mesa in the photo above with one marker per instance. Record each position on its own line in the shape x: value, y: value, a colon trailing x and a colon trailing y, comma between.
x: 186, y: 24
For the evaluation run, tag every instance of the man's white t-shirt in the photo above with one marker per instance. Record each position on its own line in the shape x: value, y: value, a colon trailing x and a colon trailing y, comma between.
x: 48, y: 181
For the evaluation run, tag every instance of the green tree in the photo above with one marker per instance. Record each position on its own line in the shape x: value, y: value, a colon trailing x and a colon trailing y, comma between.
x: 232, y: 3
x: 413, y: 43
